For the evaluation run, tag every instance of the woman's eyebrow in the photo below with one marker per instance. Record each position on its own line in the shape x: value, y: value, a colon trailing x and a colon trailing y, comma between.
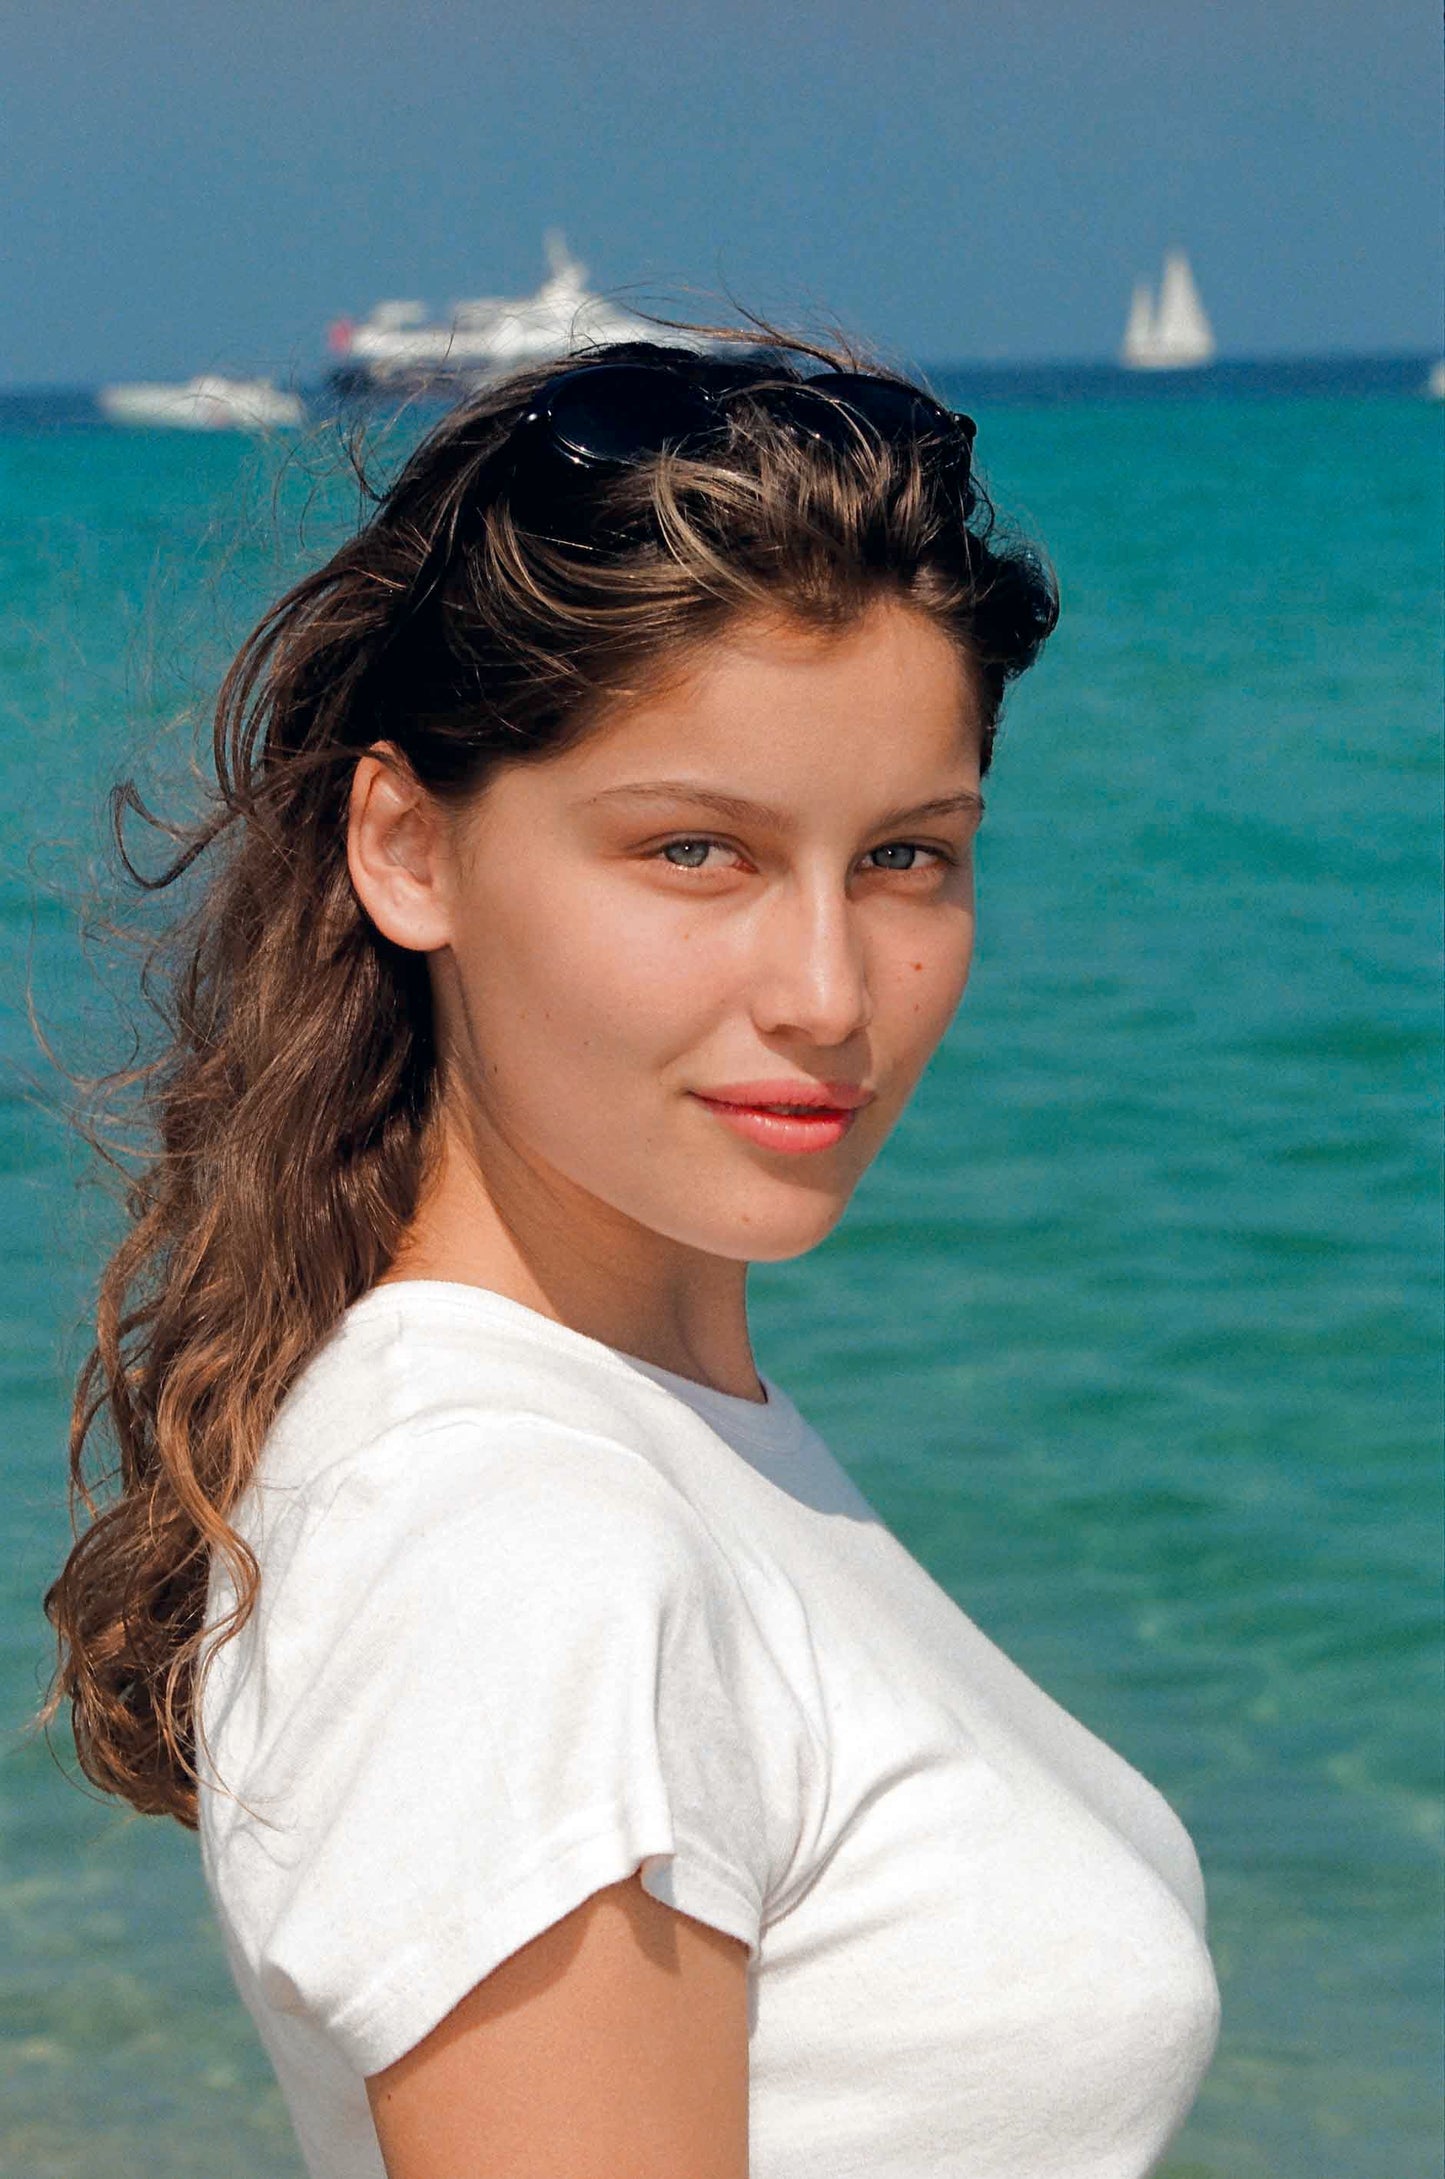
x: 744, y: 812
x: 967, y: 803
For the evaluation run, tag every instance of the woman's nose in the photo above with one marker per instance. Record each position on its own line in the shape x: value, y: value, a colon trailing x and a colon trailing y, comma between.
x: 811, y: 974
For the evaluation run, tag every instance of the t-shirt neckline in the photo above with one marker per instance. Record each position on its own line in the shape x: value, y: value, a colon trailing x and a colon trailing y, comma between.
x: 770, y: 1425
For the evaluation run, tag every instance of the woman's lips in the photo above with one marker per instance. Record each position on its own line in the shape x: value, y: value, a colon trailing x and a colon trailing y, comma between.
x: 794, y: 1117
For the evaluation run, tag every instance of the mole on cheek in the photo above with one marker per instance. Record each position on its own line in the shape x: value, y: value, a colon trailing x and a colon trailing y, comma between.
x: 918, y: 964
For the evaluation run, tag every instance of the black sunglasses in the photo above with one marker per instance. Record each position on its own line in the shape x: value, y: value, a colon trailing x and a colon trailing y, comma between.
x: 596, y: 419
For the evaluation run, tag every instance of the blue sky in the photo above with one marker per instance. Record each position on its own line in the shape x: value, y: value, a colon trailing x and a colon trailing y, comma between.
x: 198, y: 185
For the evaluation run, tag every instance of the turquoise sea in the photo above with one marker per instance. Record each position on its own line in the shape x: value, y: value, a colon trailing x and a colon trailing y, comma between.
x: 1133, y: 1333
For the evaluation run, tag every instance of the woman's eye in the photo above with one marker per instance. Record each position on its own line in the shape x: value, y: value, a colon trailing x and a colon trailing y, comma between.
x: 688, y: 854
x: 900, y: 855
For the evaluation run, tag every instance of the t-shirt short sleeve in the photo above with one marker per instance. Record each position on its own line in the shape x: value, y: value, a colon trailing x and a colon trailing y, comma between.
x: 447, y: 1727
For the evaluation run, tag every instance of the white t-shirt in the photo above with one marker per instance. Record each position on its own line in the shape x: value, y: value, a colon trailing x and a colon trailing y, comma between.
x: 534, y: 1615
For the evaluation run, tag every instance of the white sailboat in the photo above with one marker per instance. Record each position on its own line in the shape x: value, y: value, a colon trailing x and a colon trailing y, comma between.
x: 1171, y: 333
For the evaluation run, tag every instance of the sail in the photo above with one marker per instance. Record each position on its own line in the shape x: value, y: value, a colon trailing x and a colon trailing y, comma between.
x: 1173, y: 335
x: 1181, y: 328
x: 1139, y: 332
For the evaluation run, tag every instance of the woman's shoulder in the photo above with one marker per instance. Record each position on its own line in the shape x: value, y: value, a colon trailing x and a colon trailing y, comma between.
x: 433, y: 1411
x: 424, y: 1357
x: 451, y: 1481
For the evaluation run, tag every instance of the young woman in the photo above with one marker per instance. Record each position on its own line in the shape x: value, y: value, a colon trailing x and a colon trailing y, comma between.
x: 589, y: 1785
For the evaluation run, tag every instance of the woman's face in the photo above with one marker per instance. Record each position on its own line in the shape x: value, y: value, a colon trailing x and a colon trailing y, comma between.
x: 749, y: 890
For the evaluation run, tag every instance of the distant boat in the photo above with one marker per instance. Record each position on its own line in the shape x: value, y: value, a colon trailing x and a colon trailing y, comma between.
x: 206, y: 403
x: 1171, y: 333
x: 399, y: 348
x: 1435, y: 383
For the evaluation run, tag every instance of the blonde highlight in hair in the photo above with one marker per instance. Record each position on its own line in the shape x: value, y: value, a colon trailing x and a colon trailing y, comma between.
x: 289, y: 1101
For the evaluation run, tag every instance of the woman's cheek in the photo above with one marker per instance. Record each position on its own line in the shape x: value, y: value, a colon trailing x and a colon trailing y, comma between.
x: 641, y: 976
x: 930, y: 975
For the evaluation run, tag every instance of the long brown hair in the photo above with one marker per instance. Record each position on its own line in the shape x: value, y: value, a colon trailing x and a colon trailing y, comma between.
x: 289, y: 1099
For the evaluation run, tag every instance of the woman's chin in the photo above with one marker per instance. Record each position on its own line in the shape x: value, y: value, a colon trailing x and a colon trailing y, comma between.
x: 774, y: 1237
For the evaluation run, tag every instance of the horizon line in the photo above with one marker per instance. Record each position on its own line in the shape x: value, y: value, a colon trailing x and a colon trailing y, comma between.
x: 41, y: 388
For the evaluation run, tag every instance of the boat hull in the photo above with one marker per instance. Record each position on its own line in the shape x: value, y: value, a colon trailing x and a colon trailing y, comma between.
x: 203, y: 405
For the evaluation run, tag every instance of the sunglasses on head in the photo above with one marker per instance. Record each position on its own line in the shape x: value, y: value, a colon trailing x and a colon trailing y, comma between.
x: 597, y: 419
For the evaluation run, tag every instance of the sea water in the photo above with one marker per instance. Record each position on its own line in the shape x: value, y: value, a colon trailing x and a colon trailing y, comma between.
x: 1132, y: 1332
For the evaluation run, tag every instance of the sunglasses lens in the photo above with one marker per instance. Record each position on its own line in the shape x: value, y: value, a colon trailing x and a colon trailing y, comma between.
x: 621, y: 412
x: 896, y: 413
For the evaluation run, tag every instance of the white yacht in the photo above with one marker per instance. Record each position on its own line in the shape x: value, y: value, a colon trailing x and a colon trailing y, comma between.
x: 1170, y: 331
x: 399, y: 347
x: 205, y: 403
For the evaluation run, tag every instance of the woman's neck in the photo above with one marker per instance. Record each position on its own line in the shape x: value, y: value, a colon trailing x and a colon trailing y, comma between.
x: 490, y: 1218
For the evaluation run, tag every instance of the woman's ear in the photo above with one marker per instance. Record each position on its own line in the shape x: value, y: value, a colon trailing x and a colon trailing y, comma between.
x: 399, y: 852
